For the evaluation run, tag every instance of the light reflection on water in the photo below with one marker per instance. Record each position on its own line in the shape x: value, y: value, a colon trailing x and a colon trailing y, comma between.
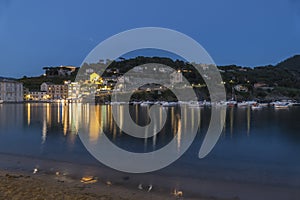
x: 262, y: 142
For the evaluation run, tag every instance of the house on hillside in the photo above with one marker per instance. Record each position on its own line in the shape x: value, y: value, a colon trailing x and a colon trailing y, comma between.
x: 61, y: 71
x: 176, y: 77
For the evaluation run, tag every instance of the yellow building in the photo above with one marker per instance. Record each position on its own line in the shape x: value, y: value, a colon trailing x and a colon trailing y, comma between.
x: 95, y: 78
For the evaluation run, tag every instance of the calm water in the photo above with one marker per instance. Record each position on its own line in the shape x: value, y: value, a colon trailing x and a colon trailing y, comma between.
x: 260, y: 146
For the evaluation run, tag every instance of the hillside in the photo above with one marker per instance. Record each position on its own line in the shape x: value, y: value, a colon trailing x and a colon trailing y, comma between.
x: 292, y: 63
x: 280, y: 81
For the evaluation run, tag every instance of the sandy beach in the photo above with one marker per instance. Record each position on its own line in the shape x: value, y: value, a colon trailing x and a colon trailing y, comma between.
x: 21, y: 178
x: 21, y: 185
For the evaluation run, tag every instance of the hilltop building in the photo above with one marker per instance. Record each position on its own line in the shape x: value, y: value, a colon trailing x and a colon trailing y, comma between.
x: 61, y: 71
x: 176, y: 77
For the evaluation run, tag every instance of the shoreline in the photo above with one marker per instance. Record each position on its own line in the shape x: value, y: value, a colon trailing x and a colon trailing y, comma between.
x: 63, y: 179
x: 18, y: 180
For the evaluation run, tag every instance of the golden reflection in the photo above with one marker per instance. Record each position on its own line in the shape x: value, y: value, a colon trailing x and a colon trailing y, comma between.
x: 99, y: 117
x: 94, y: 126
x: 110, y: 118
x: 172, y: 120
x: 114, y: 131
x: 28, y: 113
x: 65, y: 118
x: 199, y: 117
x: 103, y: 120
x: 248, y: 120
x: 155, y: 130
x: 185, y: 117
x: 48, y: 114
x: 121, y: 114
x: 136, y: 114
x: 44, y: 131
x: 74, y: 123
x: 231, y: 121
x: 160, y: 116
x: 146, y: 137
x: 58, y: 113
x: 193, y: 117
x: 154, y: 137
x: 179, y: 134
x: 223, y: 116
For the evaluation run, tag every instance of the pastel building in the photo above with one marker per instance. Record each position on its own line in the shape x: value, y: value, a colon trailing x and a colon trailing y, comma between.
x: 11, y: 90
x: 36, y: 96
x: 55, y: 91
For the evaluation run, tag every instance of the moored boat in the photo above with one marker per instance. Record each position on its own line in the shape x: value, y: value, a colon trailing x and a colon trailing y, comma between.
x: 231, y: 103
x: 243, y: 104
x: 281, y: 106
x: 264, y: 104
x: 256, y: 106
x: 195, y: 104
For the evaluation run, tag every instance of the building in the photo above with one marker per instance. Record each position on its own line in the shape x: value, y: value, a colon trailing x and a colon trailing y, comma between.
x: 36, y: 96
x: 55, y: 91
x: 95, y: 78
x: 176, y: 77
x: 241, y: 88
x: 259, y: 85
x: 61, y: 71
x: 74, y: 90
x: 11, y: 90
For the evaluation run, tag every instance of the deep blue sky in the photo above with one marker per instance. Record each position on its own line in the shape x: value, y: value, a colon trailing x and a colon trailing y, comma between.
x: 36, y: 33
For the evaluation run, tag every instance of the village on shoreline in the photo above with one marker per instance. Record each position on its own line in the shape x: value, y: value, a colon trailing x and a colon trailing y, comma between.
x: 61, y: 84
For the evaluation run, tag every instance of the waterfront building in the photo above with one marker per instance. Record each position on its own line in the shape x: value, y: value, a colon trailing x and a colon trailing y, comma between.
x: 11, y: 90
x: 74, y: 90
x: 55, y: 91
x: 36, y: 96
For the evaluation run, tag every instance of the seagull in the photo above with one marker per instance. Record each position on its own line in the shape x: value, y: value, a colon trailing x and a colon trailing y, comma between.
x: 108, y: 183
x: 150, y: 188
x: 178, y: 193
x: 35, y: 170
x: 140, y: 187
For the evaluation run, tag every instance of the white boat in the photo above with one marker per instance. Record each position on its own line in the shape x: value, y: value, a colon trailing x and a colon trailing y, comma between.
x: 231, y: 103
x: 294, y: 104
x: 169, y: 104
x: 256, y: 107
x: 1, y: 101
x: 219, y: 104
x: 195, y: 104
x: 251, y: 102
x: 183, y: 102
x: 243, y: 104
x: 281, y: 106
x: 264, y: 104
x: 275, y: 103
x: 146, y: 103
x: 207, y: 103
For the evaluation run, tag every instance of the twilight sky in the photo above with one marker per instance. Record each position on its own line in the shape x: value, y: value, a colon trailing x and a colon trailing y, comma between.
x: 35, y: 33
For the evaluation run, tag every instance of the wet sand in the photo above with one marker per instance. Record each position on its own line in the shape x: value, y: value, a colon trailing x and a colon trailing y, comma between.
x: 20, y: 180
x: 21, y: 185
x: 62, y: 180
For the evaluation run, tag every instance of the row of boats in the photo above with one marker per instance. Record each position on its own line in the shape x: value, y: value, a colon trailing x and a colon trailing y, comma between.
x: 198, y: 104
